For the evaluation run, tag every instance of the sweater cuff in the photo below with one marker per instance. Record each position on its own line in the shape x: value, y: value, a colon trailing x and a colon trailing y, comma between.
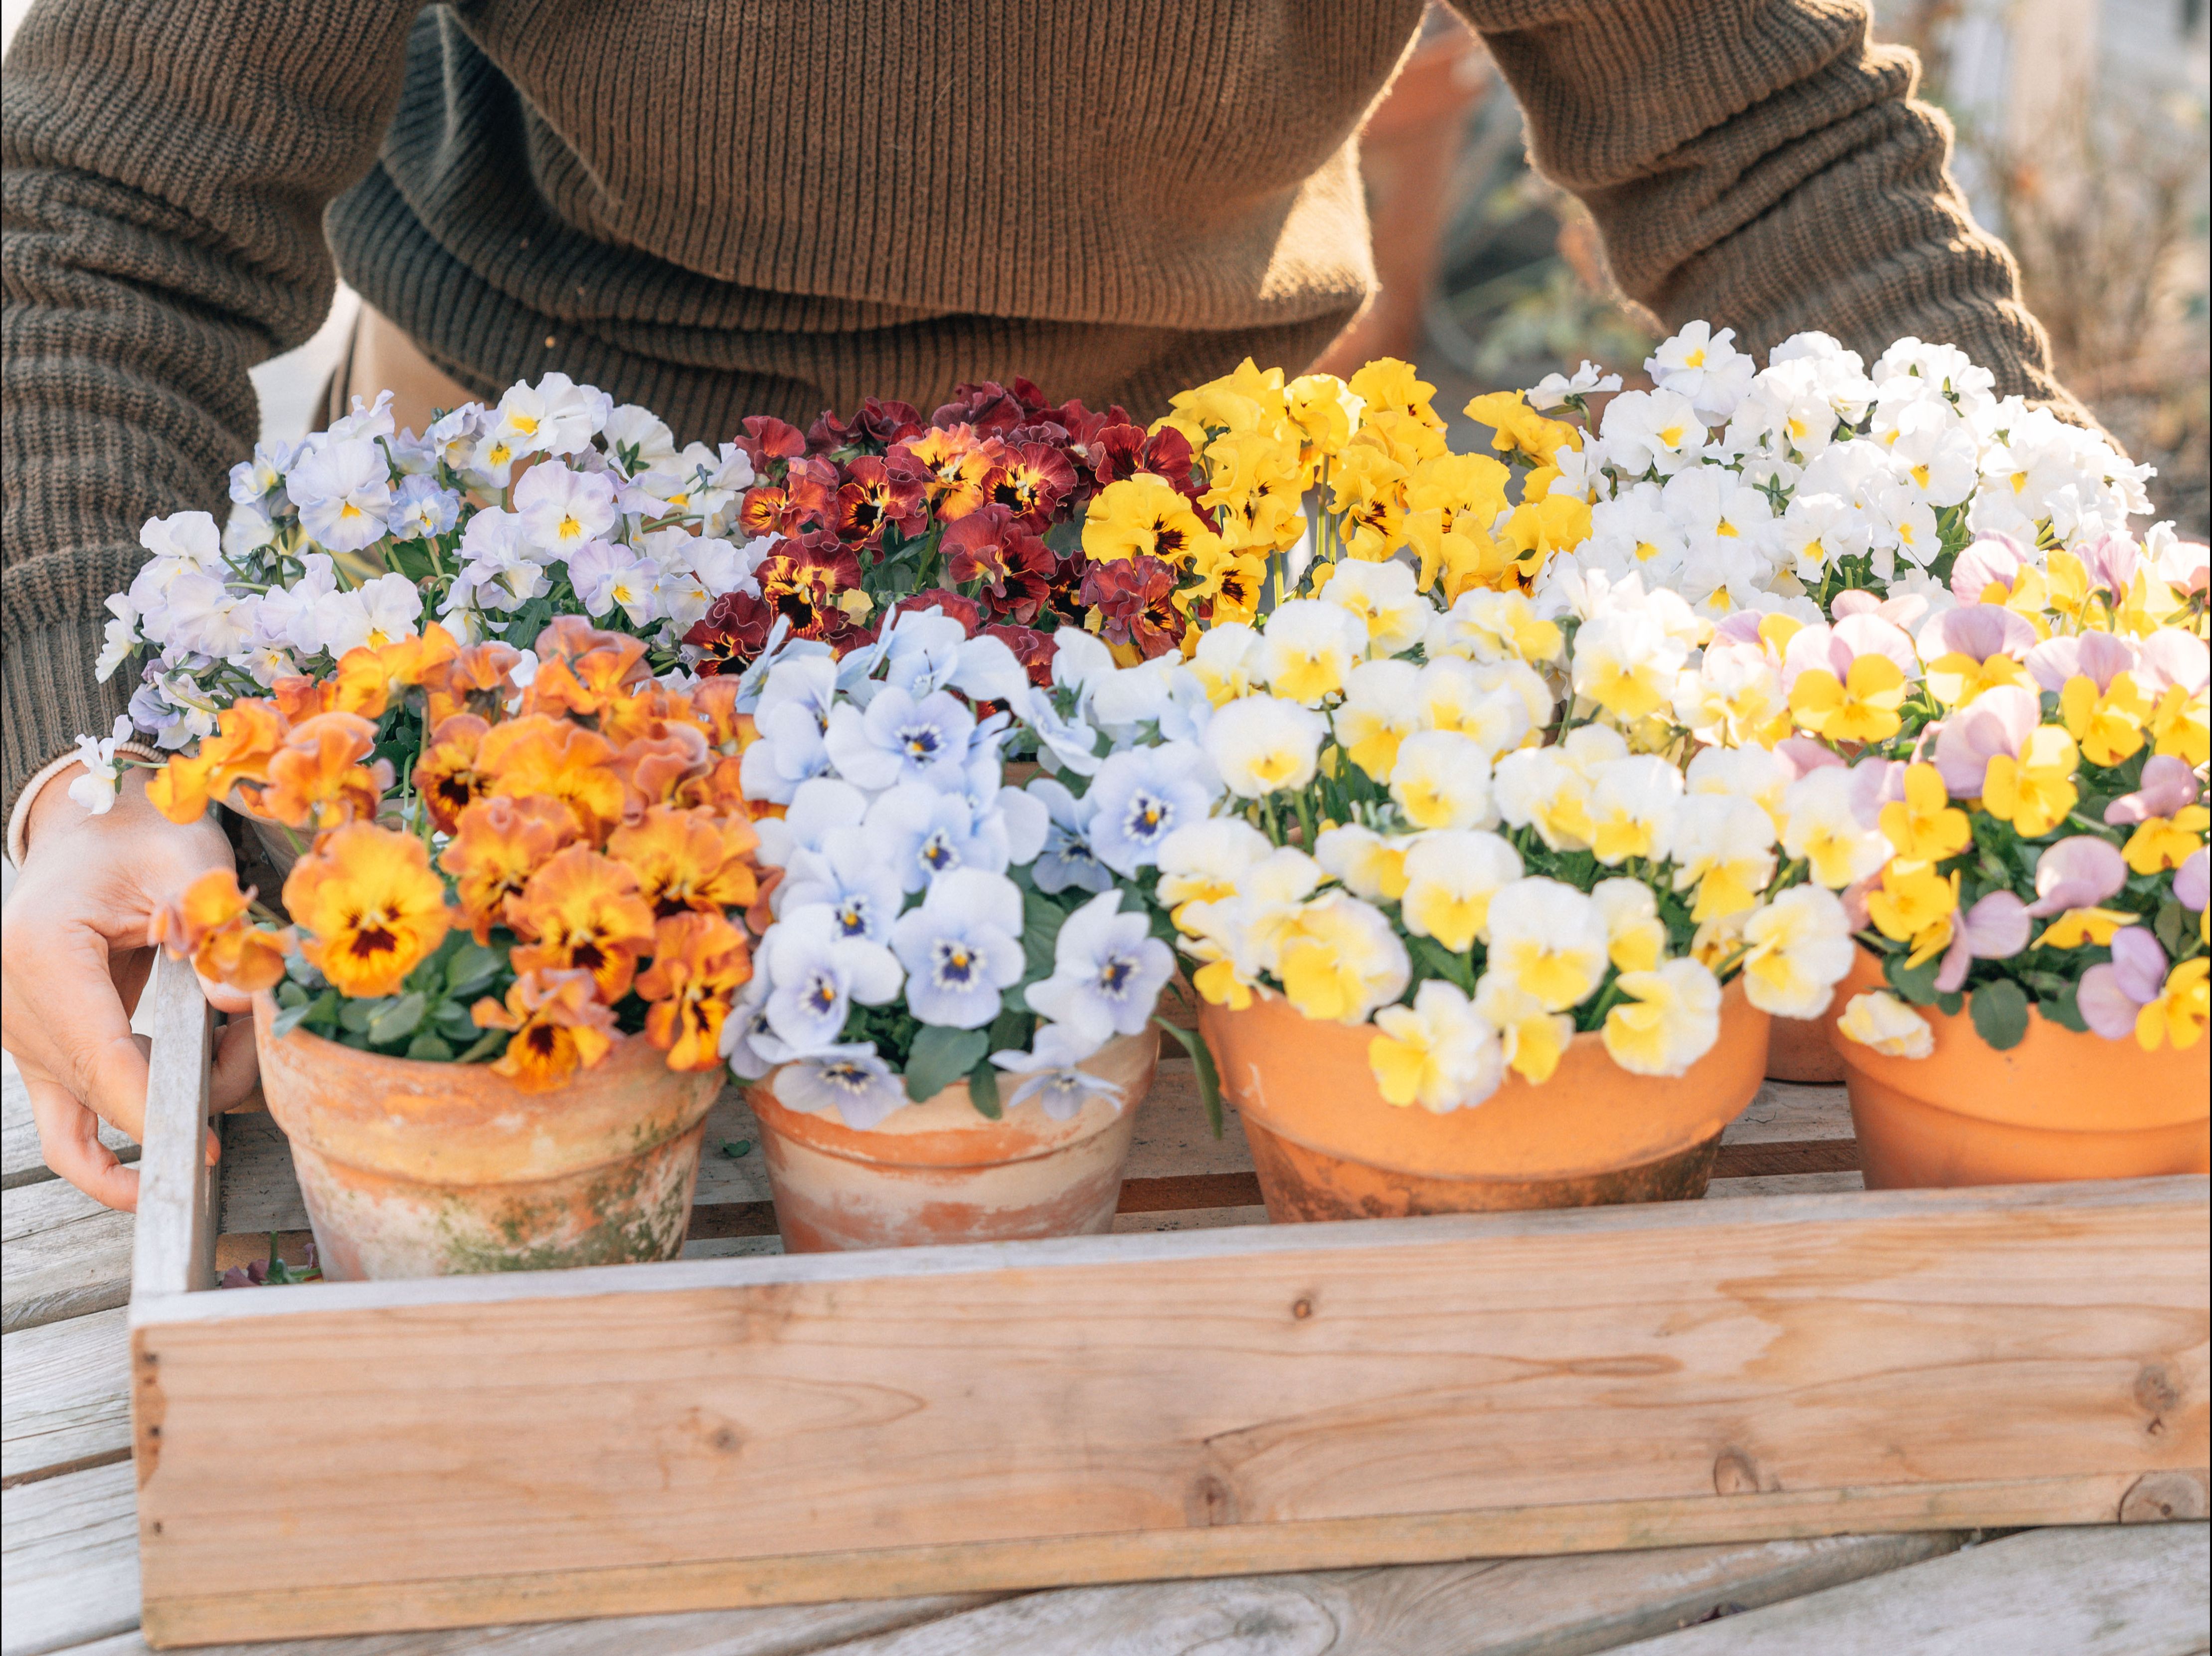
x: 19, y: 814
x: 48, y: 698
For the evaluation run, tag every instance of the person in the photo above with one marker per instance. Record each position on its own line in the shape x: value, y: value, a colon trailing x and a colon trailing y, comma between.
x: 735, y: 208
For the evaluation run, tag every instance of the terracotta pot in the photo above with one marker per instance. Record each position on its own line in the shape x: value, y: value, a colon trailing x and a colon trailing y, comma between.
x: 938, y: 1172
x: 1803, y: 1050
x: 1326, y: 1146
x: 416, y: 1169
x: 2059, y: 1106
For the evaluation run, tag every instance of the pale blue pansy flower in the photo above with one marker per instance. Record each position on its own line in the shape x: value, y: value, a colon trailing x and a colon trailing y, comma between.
x: 900, y: 739
x: 847, y: 873
x: 1108, y: 971
x: 852, y: 1081
x: 924, y: 835
x: 1066, y: 858
x: 961, y: 948
x: 818, y: 973
x: 1143, y: 795
x: 1050, y: 1074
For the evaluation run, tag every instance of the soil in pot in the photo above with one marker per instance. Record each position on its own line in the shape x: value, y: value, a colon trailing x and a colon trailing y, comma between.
x: 940, y: 1172
x: 416, y: 1169
x: 1328, y: 1146
x: 2061, y: 1105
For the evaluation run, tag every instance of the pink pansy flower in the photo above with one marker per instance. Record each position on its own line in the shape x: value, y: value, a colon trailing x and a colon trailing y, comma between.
x: 2111, y: 994
x: 1832, y: 649
x: 2184, y: 565
x: 2192, y: 881
x: 1995, y: 722
x: 1804, y: 755
x: 2111, y: 559
x: 1995, y: 929
x: 1976, y: 631
x: 1992, y: 560
x: 2098, y: 656
x: 2168, y: 785
x: 2171, y: 656
x: 1902, y: 610
x: 2079, y: 871
x: 1875, y: 783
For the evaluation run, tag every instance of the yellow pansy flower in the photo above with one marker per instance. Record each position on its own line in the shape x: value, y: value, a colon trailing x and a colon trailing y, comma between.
x: 1924, y: 825
x: 2034, y: 791
x: 1863, y: 707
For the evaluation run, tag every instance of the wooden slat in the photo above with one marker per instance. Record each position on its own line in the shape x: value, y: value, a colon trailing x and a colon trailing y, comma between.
x: 771, y: 1630
x: 1784, y: 1113
x: 70, y: 1561
x: 174, y: 1240
x: 1520, y: 1607
x: 21, y: 1161
x: 67, y: 1387
x: 62, y: 1254
x: 1242, y: 1398
x: 2127, y: 1592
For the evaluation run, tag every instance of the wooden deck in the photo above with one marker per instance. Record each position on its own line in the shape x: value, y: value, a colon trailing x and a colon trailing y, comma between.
x: 70, y: 1537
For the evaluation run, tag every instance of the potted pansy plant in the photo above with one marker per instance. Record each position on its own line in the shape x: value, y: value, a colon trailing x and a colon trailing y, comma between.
x: 490, y: 1022
x: 952, y: 1020
x: 2030, y: 999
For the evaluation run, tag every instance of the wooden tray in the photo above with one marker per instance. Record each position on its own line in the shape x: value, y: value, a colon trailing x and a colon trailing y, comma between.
x: 1226, y: 1398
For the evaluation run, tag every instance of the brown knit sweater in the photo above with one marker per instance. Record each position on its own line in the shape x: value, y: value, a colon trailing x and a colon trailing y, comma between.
x: 725, y: 207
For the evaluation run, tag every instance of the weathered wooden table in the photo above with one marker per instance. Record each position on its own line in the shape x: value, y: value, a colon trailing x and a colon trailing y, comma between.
x: 71, y: 1581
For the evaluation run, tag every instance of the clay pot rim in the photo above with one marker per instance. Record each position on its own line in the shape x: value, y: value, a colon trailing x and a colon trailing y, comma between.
x: 825, y: 1134
x: 1932, y: 1080
x: 1446, y: 1131
x: 265, y: 1013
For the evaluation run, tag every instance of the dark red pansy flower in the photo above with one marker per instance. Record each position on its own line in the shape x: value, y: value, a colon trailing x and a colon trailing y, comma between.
x: 872, y: 495
x: 1031, y: 480
x: 767, y: 439
x: 1134, y: 597
x: 956, y: 605
x: 1033, y: 649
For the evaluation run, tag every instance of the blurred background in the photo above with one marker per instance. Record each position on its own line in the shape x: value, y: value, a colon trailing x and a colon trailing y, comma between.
x: 2082, y: 140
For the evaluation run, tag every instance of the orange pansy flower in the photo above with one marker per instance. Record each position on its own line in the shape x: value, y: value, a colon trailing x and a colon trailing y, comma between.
x: 210, y: 924
x: 558, y: 1028
x: 448, y: 777
x: 371, y: 907
x: 581, y: 912
x: 535, y: 754
x: 953, y: 466
x: 408, y: 661
x: 699, y: 963
x: 722, y: 791
x: 497, y: 845
x: 474, y: 680
x: 689, y: 859
x: 653, y: 768
x: 316, y: 779
x: 248, y: 734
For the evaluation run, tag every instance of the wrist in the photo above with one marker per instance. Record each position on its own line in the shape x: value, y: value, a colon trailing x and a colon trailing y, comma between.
x: 44, y: 807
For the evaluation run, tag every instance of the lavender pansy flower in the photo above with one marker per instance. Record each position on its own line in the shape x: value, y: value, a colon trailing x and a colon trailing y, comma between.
x: 2079, y: 871
x: 2100, y: 657
x: 960, y: 949
x: 1997, y: 721
x: 2168, y: 785
x: 2111, y: 994
x: 343, y: 491
x: 1108, y: 971
x: 852, y: 1081
x: 1995, y: 928
x: 1994, y: 559
x: 1052, y: 1075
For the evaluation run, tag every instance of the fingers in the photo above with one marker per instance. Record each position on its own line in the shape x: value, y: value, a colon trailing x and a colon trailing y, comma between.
x: 66, y: 1021
x: 69, y: 1140
x: 237, y: 1069
x: 223, y: 998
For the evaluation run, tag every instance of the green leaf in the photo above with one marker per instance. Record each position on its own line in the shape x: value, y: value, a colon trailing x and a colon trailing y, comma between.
x: 734, y: 1148
x: 290, y: 994
x: 1040, y: 923
x: 473, y: 966
x: 983, y: 1091
x: 398, y: 1019
x: 1948, y: 1004
x: 430, y: 1048
x: 453, y: 1020
x: 2000, y: 1013
x: 1202, y: 1061
x: 1916, y: 983
x: 1457, y: 969
x: 490, y: 1044
x: 320, y: 1010
x: 355, y: 1016
x: 2064, y: 1009
x: 940, y: 1057
x: 2172, y: 918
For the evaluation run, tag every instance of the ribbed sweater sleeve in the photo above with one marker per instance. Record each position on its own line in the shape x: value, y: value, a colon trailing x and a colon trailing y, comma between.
x: 167, y: 166
x: 1761, y: 163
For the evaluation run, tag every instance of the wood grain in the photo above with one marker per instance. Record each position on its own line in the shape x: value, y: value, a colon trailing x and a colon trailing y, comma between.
x: 68, y: 1397
x: 21, y: 1161
x: 71, y: 1556
x: 62, y: 1254
x: 1518, y: 1607
x: 2056, y: 1592
x: 173, y: 1240
x: 1252, y: 1397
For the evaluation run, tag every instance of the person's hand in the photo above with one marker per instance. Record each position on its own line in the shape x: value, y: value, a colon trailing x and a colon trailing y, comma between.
x: 73, y: 959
